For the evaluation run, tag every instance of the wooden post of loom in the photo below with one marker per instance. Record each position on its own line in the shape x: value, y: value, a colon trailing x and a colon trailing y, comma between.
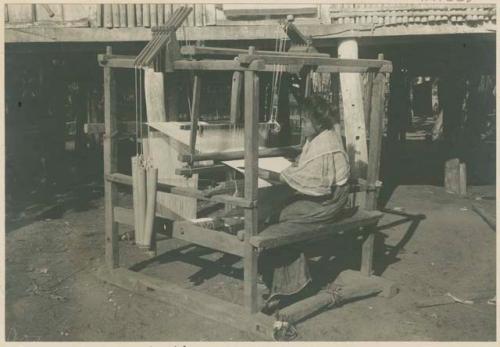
x: 110, y: 167
x: 376, y: 133
x: 235, y: 114
x: 251, y: 164
x: 195, y: 112
x: 367, y: 98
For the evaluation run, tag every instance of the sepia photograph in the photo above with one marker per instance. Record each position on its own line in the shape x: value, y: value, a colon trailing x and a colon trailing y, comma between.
x: 250, y: 171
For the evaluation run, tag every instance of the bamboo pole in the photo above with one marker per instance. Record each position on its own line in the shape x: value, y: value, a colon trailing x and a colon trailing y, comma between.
x: 146, y: 16
x: 210, y: 14
x: 108, y: 15
x: 141, y: 203
x: 190, y: 18
x: 135, y: 197
x: 131, y: 15
x: 98, y: 16
x: 123, y: 15
x: 168, y: 11
x: 161, y: 14
x: 115, y: 8
x: 138, y: 15
x: 153, y: 15
x: 151, y: 183
x: 198, y: 12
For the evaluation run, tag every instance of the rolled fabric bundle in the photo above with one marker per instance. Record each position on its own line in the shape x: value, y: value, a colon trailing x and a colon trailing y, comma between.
x: 151, y: 185
x: 141, y: 201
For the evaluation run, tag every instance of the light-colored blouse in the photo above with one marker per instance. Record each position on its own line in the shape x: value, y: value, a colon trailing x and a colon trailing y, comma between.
x: 322, y: 164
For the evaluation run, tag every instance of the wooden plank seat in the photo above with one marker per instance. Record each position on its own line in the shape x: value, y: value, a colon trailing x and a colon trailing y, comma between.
x: 278, y: 235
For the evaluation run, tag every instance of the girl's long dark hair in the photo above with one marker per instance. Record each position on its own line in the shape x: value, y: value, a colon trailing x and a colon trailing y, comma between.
x: 319, y: 110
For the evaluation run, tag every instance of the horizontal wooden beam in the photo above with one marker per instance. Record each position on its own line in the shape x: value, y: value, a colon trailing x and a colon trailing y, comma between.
x: 125, y: 216
x: 295, y: 66
x: 188, y: 171
x: 262, y: 12
x: 124, y: 62
x: 412, y: 8
x: 292, y: 59
x: 188, y: 192
x: 230, y: 65
x: 221, y: 156
x: 191, y: 300
x: 414, y: 14
x: 98, y: 128
x: 238, y: 32
x: 195, y: 50
x: 212, y: 239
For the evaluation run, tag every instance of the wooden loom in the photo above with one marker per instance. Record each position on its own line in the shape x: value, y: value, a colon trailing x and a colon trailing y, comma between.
x: 250, y: 241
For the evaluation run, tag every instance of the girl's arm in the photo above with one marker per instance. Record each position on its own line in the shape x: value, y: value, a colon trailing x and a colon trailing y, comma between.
x: 270, y: 176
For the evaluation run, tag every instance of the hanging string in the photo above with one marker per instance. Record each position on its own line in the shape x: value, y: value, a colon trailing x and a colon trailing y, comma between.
x: 141, y: 81
x: 278, y: 70
x: 136, y: 113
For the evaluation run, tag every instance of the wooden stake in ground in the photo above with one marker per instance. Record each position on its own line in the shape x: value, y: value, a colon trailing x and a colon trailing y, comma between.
x: 455, y: 177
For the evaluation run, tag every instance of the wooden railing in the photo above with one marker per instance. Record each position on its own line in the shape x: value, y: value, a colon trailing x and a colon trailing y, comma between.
x: 148, y: 15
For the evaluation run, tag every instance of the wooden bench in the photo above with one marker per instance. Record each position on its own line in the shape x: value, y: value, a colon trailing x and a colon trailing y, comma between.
x: 282, y: 234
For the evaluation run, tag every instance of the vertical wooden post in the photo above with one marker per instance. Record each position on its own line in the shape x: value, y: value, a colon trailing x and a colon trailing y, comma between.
x: 354, y: 120
x: 153, y: 15
x: 251, y: 164
x: 110, y: 166
x: 195, y: 112
x: 123, y: 15
x: 168, y: 11
x: 235, y: 113
x: 161, y: 14
x: 146, y: 15
x: 138, y: 15
x: 367, y: 98
x: 308, y: 86
x: 376, y: 132
x: 130, y: 15
x: 116, y: 15
x: 210, y: 17
x: 108, y: 16
x: 98, y: 15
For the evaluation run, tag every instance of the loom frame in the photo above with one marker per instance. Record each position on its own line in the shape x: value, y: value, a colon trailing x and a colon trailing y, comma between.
x: 251, y: 64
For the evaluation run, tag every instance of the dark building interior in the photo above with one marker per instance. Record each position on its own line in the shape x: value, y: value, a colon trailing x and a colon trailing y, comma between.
x: 53, y: 90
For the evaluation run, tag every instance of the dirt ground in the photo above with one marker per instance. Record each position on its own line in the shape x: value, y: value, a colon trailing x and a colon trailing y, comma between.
x: 434, y: 243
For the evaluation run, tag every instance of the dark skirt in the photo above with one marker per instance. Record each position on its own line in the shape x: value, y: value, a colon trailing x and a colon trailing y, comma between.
x: 285, y: 270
